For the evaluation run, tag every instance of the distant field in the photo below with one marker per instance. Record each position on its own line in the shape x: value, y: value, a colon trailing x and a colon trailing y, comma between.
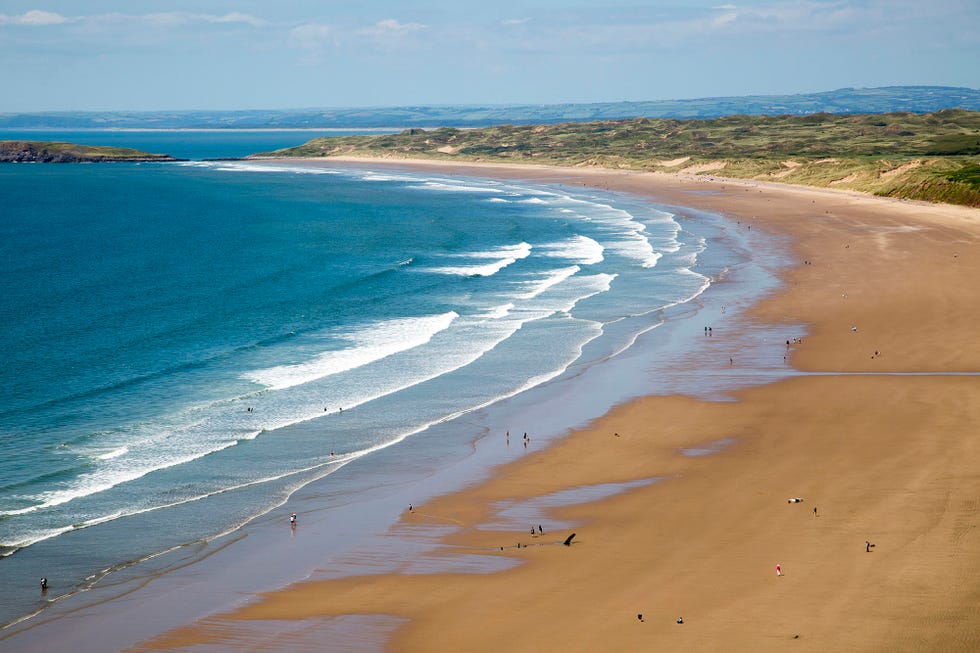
x: 915, y: 99
x: 930, y: 157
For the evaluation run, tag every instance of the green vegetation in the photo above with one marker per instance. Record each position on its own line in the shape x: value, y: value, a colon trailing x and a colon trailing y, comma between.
x: 906, y: 155
x: 969, y: 175
x: 51, y: 152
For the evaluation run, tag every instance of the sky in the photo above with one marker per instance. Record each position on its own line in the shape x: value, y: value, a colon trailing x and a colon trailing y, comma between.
x: 137, y: 55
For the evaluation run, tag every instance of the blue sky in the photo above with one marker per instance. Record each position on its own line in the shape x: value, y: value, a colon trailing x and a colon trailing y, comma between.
x: 246, y: 54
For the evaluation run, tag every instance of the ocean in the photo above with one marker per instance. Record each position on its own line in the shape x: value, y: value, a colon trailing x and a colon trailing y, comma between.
x: 186, y: 345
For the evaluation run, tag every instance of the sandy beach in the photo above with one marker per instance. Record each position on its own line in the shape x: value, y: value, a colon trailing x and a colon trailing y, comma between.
x: 878, y: 437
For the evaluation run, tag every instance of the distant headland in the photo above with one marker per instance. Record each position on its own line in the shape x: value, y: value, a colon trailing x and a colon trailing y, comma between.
x: 50, y: 152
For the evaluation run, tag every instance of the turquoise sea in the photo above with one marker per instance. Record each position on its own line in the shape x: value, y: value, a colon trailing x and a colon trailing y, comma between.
x: 186, y: 345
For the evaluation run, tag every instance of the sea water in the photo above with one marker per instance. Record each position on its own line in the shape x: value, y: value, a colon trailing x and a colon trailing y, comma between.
x: 187, y: 344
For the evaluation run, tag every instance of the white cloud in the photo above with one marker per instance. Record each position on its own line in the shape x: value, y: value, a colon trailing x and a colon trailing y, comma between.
x: 160, y: 19
x: 514, y: 22
x: 754, y: 22
x: 238, y: 17
x: 724, y: 19
x: 179, y: 18
x: 391, y: 27
x: 35, y: 17
x: 809, y: 16
x: 311, y: 36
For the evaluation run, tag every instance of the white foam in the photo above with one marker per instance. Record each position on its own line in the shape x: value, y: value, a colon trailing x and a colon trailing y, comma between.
x: 374, y: 176
x: 580, y: 249
x: 622, y: 233
x: 553, y: 278
x: 521, y: 250
x: 111, y: 475
x: 498, y: 312
x: 33, y: 538
x: 243, y: 166
x: 369, y: 344
x: 572, y: 292
x: 456, y: 187
x: 115, y: 453
x: 505, y: 256
x: 486, y: 270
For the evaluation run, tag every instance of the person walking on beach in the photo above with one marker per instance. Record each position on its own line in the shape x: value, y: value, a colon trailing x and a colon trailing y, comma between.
x: 779, y: 570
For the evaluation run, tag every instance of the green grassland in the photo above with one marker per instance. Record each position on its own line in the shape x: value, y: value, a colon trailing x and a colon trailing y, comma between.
x: 930, y: 157
x: 54, y: 152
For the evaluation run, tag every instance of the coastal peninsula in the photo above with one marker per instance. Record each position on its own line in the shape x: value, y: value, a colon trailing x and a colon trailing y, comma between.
x: 55, y: 152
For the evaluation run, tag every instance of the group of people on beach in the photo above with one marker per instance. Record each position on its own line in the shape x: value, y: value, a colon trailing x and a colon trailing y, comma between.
x: 526, y: 438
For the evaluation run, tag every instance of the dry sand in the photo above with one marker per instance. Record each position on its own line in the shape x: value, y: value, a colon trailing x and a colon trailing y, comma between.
x: 891, y: 459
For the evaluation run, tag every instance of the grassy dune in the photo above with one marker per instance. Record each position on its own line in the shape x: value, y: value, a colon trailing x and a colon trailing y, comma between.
x: 929, y: 157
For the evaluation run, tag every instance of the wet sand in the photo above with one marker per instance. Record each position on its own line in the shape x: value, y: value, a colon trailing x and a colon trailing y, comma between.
x: 885, y: 446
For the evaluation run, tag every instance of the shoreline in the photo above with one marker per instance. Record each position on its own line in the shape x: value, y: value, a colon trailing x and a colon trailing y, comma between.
x: 640, y: 551
x: 882, y: 459
x: 241, y: 556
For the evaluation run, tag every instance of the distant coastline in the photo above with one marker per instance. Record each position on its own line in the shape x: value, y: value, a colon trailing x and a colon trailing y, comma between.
x: 913, y: 99
x: 52, y: 152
